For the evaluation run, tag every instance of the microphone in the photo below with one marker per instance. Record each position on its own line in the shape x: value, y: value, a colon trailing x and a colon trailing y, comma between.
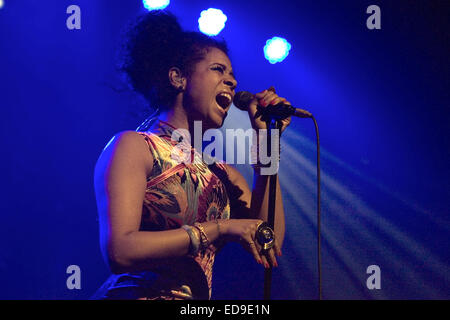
x: 278, y: 112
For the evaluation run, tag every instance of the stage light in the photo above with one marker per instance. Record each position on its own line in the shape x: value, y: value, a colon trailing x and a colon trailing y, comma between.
x: 1, y: 4
x: 211, y: 21
x: 155, y: 4
x: 276, y: 49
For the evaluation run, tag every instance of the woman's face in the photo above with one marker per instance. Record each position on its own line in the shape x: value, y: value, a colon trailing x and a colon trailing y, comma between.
x: 210, y: 89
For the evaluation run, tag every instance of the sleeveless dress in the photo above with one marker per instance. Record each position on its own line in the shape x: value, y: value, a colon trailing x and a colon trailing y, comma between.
x: 176, y: 194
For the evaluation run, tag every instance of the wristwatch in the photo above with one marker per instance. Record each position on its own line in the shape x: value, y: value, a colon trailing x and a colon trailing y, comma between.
x: 265, y: 236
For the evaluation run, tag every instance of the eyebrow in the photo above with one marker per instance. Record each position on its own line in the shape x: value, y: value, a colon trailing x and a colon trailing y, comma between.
x: 225, y: 68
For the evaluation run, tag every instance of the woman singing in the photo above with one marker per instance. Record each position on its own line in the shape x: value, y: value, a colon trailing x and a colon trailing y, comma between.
x: 162, y: 221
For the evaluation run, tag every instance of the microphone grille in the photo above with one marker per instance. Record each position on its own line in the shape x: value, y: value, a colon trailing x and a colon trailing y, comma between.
x: 242, y: 100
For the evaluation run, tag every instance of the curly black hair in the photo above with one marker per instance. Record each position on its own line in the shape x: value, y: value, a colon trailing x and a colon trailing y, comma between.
x: 153, y: 44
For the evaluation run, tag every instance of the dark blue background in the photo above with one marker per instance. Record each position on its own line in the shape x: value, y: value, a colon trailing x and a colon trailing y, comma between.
x: 380, y: 98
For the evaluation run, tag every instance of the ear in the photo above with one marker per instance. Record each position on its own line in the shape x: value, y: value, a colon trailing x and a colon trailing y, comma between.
x: 176, y: 78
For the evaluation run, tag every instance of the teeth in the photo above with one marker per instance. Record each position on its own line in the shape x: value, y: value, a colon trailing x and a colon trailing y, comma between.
x: 226, y: 95
x: 224, y: 99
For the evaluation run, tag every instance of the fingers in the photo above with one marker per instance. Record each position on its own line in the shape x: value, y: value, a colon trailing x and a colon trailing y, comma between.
x: 255, y: 252
x: 276, y: 248
x: 264, y: 99
x: 285, y: 123
x: 269, y: 259
x: 269, y: 96
x: 248, y: 239
x: 251, y: 246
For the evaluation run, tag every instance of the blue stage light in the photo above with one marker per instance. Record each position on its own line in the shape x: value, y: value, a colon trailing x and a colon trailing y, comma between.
x: 155, y: 4
x: 276, y: 49
x: 211, y: 21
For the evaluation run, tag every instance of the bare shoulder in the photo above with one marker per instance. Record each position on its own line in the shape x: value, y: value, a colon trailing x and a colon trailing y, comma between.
x: 126, y: 147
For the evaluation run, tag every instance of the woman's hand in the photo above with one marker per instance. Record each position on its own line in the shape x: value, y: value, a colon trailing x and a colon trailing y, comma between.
x: 244, y: 231
x: 262, y: 100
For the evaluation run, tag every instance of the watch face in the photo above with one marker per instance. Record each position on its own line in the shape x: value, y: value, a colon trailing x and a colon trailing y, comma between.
x: 264, y: 234
x: 267, y: 235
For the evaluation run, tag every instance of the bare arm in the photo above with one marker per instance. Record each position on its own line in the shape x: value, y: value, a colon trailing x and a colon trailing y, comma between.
x: 260, y: 204
x: 120, y: 181
x: 120, y: 184
x: 260, y: 194
x: 255, y: 202
x: 254, y: 205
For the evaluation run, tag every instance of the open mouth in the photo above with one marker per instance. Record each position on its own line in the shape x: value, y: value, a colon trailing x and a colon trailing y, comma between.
x: 223, y: 99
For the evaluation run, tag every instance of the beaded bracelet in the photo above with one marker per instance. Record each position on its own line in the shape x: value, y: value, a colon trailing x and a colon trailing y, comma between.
x: 194, y: 245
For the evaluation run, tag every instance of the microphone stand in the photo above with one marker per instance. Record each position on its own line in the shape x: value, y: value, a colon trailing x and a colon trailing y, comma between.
x: 271, y: 208
x: 271, y: 124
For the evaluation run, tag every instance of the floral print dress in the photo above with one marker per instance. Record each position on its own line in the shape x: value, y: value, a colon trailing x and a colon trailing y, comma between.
x: 178, y: 193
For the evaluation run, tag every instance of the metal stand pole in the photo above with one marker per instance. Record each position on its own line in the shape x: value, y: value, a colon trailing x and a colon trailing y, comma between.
x: 272, y: 124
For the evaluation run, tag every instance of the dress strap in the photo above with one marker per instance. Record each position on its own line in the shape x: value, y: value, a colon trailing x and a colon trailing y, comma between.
x: 169, y: 172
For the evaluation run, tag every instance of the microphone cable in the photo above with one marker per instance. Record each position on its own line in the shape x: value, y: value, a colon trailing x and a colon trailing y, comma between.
x: 319, y: 259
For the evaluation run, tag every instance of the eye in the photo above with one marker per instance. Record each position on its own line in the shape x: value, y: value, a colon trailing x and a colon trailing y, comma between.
x: 218, y: 68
